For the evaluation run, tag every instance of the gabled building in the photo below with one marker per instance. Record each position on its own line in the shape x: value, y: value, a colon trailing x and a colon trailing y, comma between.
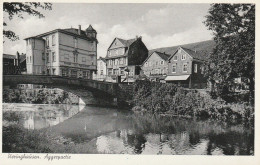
x: 63, y: 52
x: 155, y: 67
x: 186, y: 68
x: 101, y: 69
x: 124, y: 57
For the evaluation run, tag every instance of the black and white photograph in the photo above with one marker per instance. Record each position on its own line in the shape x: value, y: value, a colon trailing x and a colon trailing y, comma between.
x: 128, y: 78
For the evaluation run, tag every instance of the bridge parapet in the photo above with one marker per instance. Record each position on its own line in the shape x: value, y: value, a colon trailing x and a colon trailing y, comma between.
x: 107, y: 87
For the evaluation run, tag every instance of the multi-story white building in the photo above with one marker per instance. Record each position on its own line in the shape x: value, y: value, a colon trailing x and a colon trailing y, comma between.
x: 63, y: 52
x: 101, y: 69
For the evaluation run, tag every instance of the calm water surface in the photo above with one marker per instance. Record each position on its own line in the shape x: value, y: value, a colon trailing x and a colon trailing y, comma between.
x: 113, y: 131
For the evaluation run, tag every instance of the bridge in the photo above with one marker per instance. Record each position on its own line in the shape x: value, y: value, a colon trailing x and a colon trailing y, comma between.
x: 80, y: 87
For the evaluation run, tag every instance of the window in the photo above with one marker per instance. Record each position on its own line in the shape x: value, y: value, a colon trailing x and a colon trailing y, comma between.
x: 162, y: 62
x: 183, y: 56
x: 53, y: 71
x: 84, y: 73
x: 174, y: 68
x: 175, y: 58
x: 75, y: 43
x: 84, y: 60
x: 47, y: 41
x: 202, y: 69
x: 156, y: 63
x: 43, y: 56
x: 75, y: 57
x: 64, y: 72
x: 109, y: 71
x: 121, y: 61
x: 47, y: 56
x: 30, y: 59
x: 53, y: 40
x: 122, y: 71
x: 101, y: 72
x: 195, y: 68
x: 185, y: 67
x: 74, y: 73
x: 53, y: 56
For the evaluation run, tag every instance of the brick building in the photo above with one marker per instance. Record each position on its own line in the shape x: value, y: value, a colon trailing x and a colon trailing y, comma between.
x: 64, y: 52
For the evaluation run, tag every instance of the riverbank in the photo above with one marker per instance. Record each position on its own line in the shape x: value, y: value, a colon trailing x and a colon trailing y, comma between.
x: 168, y: 99
x: 39, y: 95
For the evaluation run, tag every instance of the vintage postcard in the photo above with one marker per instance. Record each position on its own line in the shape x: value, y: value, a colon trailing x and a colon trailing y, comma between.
x: 109, y: 82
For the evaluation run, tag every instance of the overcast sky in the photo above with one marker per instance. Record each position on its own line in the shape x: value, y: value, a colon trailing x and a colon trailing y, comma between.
x: 160, y: 25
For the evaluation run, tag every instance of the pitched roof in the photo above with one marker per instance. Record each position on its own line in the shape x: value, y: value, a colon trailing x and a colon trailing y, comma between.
x: 101, y: 58
x: 9, y: 56
x: 91, y: 29
x: 75, y: 31
x: 127, y: 42
x: 71, y: 31
x: 164, y: 56
x: 203, y: 49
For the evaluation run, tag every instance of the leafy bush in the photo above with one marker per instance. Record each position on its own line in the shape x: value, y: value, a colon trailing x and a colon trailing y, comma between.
x: 157, y: 98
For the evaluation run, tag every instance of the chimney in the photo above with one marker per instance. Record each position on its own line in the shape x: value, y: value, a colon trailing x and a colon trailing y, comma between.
x: 17, y: 61
x: 136, y: 37
x: 79, y: 30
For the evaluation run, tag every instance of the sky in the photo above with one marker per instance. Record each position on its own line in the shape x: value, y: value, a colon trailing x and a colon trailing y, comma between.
x: 160, y: 25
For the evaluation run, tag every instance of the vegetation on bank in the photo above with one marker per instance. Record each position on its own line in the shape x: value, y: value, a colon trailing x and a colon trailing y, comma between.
x: 159, y: 98
x: 38, y: 96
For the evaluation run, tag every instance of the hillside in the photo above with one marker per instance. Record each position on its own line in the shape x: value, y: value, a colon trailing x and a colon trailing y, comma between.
x: 204, y: 47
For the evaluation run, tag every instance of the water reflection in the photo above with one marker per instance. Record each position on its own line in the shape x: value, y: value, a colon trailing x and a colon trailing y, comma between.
x: 184, y: 138
x: 38, y: 116
x: 111, y: 131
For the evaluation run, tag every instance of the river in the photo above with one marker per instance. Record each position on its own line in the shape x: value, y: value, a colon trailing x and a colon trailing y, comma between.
x: 114, y: 131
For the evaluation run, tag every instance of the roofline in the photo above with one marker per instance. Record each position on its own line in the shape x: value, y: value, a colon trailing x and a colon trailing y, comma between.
x: 62, y: 31
x: 150, y: 56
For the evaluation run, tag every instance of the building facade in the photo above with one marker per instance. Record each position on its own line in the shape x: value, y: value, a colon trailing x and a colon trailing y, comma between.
x: 124, y: 57
x: 155, y: 67
x: 63, y: 52
x: 14, y: 64
x: 186, y: 68
x: 101, y: 69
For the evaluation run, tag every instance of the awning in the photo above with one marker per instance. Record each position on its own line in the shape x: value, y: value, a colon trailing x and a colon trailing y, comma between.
x: 177, y: 78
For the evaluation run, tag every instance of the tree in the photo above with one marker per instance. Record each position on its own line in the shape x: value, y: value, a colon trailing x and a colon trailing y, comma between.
x: 12, y: 9
x: 233, y: 27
